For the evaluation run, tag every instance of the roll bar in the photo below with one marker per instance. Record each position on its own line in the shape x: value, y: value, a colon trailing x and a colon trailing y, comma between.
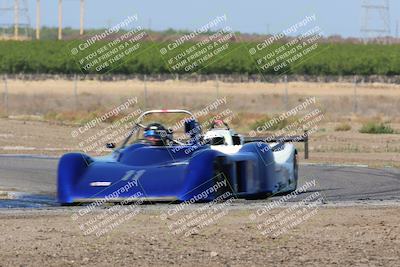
x: 138, y: 125
x: 144, y: 114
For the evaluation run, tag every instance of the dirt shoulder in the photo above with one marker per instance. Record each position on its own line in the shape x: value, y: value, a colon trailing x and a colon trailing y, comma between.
x: 344, y: 236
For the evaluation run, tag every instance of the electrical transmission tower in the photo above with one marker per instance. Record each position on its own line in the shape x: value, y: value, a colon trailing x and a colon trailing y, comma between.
x: 376, y: 18
x: 14, y: 20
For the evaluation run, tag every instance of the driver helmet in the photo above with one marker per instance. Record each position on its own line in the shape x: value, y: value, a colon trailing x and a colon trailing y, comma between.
x: 156, y: 134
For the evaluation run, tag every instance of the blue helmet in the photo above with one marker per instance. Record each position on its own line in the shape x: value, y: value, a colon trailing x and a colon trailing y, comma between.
x: 157, y: 134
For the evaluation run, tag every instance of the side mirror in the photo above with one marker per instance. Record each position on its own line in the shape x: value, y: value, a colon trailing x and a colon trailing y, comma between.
x: 110, y: 145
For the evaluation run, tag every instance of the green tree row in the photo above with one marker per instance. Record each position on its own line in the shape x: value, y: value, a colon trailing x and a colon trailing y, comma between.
x: 54, y: 57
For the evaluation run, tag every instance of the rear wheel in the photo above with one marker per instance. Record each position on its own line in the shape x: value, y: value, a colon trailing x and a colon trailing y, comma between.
x: 295, y: 172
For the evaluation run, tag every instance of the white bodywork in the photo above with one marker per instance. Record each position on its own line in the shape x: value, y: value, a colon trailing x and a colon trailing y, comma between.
x: 284, y: 157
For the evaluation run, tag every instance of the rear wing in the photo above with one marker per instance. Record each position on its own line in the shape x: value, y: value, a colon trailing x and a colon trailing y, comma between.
x: 281, y: 139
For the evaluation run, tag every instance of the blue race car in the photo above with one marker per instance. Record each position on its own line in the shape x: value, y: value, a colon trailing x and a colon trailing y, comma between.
x: 159, y: 167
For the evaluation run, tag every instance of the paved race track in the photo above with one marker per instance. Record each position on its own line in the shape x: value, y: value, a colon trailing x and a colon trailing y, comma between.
x: 37, y: 177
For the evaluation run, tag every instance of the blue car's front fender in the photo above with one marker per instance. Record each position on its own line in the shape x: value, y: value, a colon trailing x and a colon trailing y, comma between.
x: 70, y: 168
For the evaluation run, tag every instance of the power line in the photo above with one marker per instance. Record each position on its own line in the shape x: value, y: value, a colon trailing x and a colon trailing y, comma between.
x: 15, y: 21
x: 376, y: 18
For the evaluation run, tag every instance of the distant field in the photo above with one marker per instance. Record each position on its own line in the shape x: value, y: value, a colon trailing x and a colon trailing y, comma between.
x: 328, y: 59
x: 337, y: 100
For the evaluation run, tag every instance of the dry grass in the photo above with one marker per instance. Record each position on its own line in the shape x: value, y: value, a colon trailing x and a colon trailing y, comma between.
x: 335, y: 99
x: 343, y: 127
x: 4, y: 195
x: 134, y: 87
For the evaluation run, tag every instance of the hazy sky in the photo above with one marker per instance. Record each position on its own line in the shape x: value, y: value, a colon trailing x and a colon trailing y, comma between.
x: 252, y: 16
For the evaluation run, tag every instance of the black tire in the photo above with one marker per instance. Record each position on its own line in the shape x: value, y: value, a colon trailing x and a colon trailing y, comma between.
x: 69, y: 204
x: 258, y: 196
x: 295, y: 171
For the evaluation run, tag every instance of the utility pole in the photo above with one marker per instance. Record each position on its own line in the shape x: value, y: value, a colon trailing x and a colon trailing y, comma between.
x: 217, y: 85
x: 82, y: 16
x: 149, y: 27
x: 76, y: 91
x: 355, y: 104
x: 16, y: 19
x: 286, y: 97
x: 37, y: 19
x: 59, y: 19
x: 5, y: 94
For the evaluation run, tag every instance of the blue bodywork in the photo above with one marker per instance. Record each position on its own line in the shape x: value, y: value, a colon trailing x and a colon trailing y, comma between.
x: 168, y: 173
x: 165, y: 173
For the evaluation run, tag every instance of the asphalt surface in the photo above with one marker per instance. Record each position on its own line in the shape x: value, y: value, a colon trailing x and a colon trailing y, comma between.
x: 32, y: 182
